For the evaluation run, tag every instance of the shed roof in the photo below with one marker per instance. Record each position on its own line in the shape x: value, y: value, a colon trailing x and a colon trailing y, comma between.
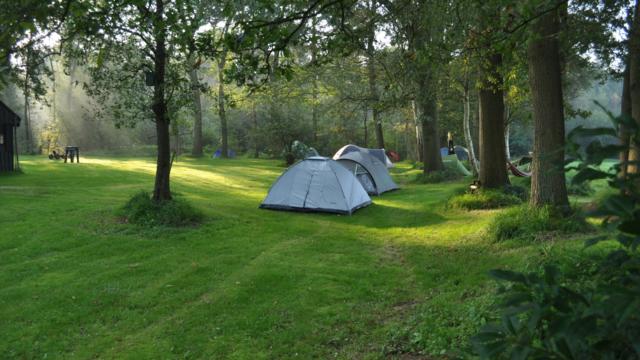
x: 7, y: 116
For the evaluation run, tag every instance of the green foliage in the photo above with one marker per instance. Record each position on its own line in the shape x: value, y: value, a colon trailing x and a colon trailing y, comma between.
x: 299, y: 151
x: 549, y: 315
x: 142, y: 210
x: 556, y: 314
x: 530, y: 223
x: 579, y: 189
x: 484, y: 199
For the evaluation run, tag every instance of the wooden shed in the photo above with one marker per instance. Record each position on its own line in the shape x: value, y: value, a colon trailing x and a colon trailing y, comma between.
x: 9, y: 121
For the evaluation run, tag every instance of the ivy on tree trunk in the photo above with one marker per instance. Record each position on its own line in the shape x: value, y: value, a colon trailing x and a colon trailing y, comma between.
x: 162, y: 189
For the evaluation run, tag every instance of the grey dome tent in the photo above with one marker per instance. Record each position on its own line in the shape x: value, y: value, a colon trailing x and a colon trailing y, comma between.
x: 371, y: 173
x: 377, y: 153
x: 461, y: 152
x: 317, y: 184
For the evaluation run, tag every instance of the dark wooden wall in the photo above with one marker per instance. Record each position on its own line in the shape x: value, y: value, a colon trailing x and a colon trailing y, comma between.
x: 7, y: 148
x: 8, y: 123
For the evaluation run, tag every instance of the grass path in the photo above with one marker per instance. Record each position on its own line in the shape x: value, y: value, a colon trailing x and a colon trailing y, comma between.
x: 404, y: 274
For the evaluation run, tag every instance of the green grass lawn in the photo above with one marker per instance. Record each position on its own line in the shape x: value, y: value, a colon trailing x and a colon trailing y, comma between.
x: 403, y: 275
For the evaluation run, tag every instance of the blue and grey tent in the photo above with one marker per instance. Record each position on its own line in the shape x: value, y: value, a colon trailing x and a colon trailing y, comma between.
x: 218, y: 154
x: 372, y: 174
x: 317, y: 184
x: 376, y: 153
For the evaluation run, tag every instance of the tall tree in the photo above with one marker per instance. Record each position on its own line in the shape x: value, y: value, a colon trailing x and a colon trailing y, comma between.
x: 466, y: 124
x: 420, y: 28
x: 120, y: 42
x: 197, y: 109
x: 493, y: 171
x: 224, y: 130
x: 371, y: 71
x: 162, y: 187
x: 625, y: 110
x: 634, y: 86
x: 548, y: 186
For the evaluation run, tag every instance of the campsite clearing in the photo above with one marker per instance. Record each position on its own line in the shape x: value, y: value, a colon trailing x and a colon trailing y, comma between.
x: 75, y: 282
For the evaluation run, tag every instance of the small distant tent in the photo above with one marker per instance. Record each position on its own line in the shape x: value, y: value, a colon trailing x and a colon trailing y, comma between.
x: 372, y: 174
x: 317, y: 184
x: 452, y: 162
x: 218, y: 154
x: 461, y: 152
x: 9, y: 121
x: 377, y: 153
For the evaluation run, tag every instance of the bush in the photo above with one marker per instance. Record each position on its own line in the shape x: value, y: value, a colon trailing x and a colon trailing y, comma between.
x: 484, y: 199
x: 435, y: 177
x: 529, y: 223
x: 144, y: 211
x: 550, y: 315
x: 555, y: 314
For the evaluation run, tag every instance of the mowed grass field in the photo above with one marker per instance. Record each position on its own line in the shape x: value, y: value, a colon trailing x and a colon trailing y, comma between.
x: 405, y: 275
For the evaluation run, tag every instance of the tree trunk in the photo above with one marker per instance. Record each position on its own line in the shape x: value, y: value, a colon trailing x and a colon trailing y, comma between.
x: 429, y: 121
x: 373, y: 90
x: 416, y: 119
x: 365, y: 141
x: 224, y: 132
x: 466, y: 124
x: 507, y: 136
x: 254, y: 117
x: 634, y: 87
x: 197, y: 111
x: 314, y: 95
x: 162, y: 189
x: 625, y: 110
x: 407, y: 135
x: 27, y: 121
x: 493, y: 162
x: 176, y: 144
x: 548, y: 185
x: 507, y: 126
x: 314, y: 111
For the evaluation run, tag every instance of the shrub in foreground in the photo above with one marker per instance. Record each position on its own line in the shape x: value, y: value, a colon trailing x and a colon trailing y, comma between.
x: 552, y: 314
x: 529, y: 223
x: 483, y: 200
x: 141, y: 209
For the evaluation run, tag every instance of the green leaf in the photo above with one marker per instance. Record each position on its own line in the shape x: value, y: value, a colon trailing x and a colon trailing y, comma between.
x: 520, y: 352
x: 564, y: 348
x: 580, y: 131
x: 630, y: 226
x: 622, y: 206
x: 588, y: 174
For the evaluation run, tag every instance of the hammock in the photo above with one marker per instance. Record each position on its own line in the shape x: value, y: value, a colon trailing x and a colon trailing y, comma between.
x: 517, y: 172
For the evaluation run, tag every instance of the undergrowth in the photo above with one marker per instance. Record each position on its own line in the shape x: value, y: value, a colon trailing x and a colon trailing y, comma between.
x: 581, y: 189
x: 440, y: 176
x: 485, y: 199
x: 530, y: 223
x: 142, y: 210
